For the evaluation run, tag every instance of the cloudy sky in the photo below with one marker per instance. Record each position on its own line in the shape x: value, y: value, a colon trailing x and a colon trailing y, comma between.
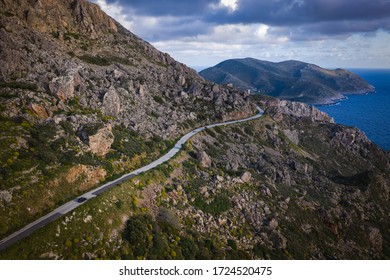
x: 202, y: 33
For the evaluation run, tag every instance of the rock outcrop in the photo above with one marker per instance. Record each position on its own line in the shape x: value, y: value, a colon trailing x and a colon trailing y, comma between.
x: 111, y: 103
x: 277, y: 109
x: 6, y: 196
x: 246, y: 177
x: 85, y: 176
x: 101, y: 142
x: 40, y: 111
x: 204, y: 159
x: 64, y: 86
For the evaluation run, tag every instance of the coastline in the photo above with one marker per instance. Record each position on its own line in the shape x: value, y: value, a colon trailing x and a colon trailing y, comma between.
x: 345, y: 95
x: 327, y: 101
x: 374, y: 101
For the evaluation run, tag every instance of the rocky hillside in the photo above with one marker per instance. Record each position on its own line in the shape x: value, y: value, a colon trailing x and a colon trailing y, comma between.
x: 290, y: 80
x: 83, y: 99
x: 290, y: 185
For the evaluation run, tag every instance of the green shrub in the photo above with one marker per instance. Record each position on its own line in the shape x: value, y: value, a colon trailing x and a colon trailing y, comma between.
x: 19, y: 85
x: 129, y: 142
x: 189, y: 248
x: 69, y: 35
x: 97, y: 60
x: 158, y: 99
x: 137, y: 233
x: 119, y: 204
x: 7, y: 94
x: 219, y: 130
x: 8, y: 14
x: 92, y: 128
x: 237, y: 130
x: 167, y: 220
x: 220, y: 204
x: 160, y: 247
x: 104, y: 61
x: 248, y: 130
x: 232, y: 244
x: 211, y: 132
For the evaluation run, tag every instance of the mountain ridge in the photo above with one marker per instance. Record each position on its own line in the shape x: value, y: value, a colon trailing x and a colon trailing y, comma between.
x: 291, y: 80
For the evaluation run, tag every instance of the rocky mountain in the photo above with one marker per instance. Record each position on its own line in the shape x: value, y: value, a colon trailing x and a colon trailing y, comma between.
x: 83, y: 100
x: 290, y: 80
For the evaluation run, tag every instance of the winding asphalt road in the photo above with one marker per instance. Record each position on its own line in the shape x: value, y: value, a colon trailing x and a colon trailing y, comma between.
x: 69, y: 206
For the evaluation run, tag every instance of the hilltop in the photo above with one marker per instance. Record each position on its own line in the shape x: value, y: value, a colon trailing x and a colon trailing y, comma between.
x: 290, y: 80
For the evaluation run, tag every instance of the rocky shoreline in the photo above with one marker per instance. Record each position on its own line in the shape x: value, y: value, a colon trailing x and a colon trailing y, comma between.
x: 345, y: 97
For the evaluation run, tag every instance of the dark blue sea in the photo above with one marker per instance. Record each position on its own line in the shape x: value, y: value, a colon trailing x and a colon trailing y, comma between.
x: 370, y: 112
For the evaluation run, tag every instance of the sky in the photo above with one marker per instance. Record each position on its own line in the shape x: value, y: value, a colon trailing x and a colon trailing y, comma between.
x: 202, y: 33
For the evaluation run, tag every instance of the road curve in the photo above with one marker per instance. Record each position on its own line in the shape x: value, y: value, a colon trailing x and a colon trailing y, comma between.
x: 69, y: 206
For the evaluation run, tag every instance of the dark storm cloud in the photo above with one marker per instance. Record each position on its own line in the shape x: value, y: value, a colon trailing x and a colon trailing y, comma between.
x: 349, y: 9
x: 168, y: 28
x: 313, y: 17
x: 330, y: 16
x: 264, y: 11
x: 166, y: 7
x: 331, y: 29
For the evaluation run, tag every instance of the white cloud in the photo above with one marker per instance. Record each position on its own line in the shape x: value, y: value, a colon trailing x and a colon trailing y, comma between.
x: 242, y: 34
x: 231, y: 4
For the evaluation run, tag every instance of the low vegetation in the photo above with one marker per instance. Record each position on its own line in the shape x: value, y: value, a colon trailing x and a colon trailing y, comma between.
x: 39, y: 168
x: 104, y: 61
x: 19, y: 85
